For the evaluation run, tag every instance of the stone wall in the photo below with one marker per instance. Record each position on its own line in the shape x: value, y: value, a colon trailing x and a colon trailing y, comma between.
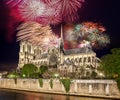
x: 97, y: 88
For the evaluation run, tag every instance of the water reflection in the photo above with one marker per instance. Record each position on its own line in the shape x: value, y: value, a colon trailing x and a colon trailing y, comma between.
x: 15, y: 95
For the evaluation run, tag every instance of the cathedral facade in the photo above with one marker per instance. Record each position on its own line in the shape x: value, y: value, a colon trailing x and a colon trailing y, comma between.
x: 65, y: 61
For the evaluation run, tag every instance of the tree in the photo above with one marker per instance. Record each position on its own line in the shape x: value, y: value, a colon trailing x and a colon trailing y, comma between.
x: 29, y: 70
x: 42, y: 69
x: 111, y: 63
x: 13, y: 74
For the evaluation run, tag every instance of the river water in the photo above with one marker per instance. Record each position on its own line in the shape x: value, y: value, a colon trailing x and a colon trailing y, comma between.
x: 20, y: 95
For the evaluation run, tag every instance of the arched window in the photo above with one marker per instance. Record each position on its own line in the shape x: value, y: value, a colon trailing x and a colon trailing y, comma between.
x: 35, y: 51
x: 84, y: 59
x: 93, y: 59
x: 23, y: 48
x: 80, y: 60
x: 40, y: 52
x: 89, y: 59
x: 29, y: 48
x: 76, y: 69
x: 75, y: 59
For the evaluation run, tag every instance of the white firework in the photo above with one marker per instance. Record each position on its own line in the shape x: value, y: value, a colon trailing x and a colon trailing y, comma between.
x: 37, y: 34
x: 31, y: 9
x: 29, y: 29
x: 45, y: 41
x: 53, y: 8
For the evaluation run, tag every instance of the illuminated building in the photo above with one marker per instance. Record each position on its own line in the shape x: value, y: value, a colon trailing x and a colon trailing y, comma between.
x: 64, y: 61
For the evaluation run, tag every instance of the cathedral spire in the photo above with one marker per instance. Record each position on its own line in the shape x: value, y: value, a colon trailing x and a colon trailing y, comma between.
x: 61, y: 34
x: 61, y: 39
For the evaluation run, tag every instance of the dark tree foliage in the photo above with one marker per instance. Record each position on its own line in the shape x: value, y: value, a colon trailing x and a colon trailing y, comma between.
x: 42, y: 69
x: 29, y: 70
x: 66, y: 83
x: 111, y: 63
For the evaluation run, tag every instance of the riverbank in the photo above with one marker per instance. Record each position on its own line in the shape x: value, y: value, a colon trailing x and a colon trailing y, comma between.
x: 25, y: 95
x: 88, y: 88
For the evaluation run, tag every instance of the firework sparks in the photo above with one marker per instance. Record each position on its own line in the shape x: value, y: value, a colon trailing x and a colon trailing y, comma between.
x: 93, y: 37
x: 69, y: 9
x: 53, y: 7
x: 13, y: 3
x: 37, y: 34
x: 87, y: 34
x: 28, y: 29
x: 45, y: 41
x: 103, y: 40
x: 41, y: 12
x: 71, y: 18
x: 69, y: 33
x: 31, y: 9
x: 93, y: 27
x: 47, y: 11
x: 70, y: 6
x: 50, y: 20
x: 84, y: 44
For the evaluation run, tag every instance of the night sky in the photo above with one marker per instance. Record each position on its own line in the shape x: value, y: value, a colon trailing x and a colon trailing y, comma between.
x: 105, y: 12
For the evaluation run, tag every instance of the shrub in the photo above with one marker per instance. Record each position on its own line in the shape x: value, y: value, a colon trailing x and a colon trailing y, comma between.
x: 66, y: 83
x: 51, y: 83
x: 118, y: 83
x: 28, y: 70
x: 41, y: 82
x: 15, y: 80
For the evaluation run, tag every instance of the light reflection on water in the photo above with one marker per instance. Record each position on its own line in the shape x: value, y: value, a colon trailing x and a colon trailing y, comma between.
x: 15, y: 95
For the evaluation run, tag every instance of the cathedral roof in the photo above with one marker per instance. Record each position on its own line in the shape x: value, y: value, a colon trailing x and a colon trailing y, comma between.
x: 77, y: 51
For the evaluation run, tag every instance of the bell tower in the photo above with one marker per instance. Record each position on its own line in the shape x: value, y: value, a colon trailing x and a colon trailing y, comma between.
x: 25, y: 53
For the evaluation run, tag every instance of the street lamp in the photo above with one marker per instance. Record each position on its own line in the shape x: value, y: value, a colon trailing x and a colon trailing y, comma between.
x: 56, y: 75
x: 101, y: 75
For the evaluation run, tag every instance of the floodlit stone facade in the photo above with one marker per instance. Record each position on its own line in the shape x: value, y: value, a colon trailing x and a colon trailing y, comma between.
x: 65, y: 61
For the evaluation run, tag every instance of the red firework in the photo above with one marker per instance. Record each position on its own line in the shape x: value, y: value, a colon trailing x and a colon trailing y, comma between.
x: 54, y: 19
x: 46, y: 20
x: 71, y: 18
x: 13, y: 3
x: 94, y: 25
x: 62, y: 10
x: 48, y: 1
x: 70, y: 6
x: 47, y: 11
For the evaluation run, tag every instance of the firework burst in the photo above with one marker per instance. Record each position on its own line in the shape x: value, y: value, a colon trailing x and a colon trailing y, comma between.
x: 46, y: 20
x: 37, y: 34
x: 103, y: 40
x: 31, y: 9
x: 47, y: 11
x: 28, y: 29
x: 41, y: 12
x: 70, y: 6
x: 69, y: 9
x: 87, y: 34
x: 93, y: 27
x: 71, y: 18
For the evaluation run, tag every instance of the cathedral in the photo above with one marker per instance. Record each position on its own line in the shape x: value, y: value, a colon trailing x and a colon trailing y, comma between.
x: 65, y: 61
